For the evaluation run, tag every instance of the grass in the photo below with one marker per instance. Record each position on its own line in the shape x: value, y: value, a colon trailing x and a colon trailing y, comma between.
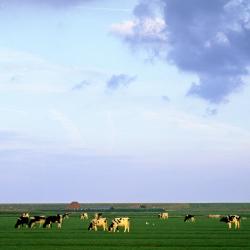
x: 173, y: 234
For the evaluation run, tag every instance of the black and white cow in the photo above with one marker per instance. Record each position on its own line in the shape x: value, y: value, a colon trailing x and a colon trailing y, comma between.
x: 120, y: 222
x: 53, y: 219
x: 189, y: 217
x: 101, y: 222
x: 37, y: 220
x: 232, y: 219
x: 22, y: 220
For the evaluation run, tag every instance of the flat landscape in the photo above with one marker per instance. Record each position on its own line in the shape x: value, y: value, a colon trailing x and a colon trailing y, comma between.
x: 147, y: 230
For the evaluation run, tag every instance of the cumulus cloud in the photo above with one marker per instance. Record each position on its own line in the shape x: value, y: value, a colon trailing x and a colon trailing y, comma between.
x: 208, y: 38
x: 117, y: 81
x: 147, y: 30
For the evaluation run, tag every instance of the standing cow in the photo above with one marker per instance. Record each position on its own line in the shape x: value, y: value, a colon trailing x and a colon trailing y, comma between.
x: 84, y: 216
x: 120, y: 222
x: 95, y: 223
x: 232, y: 219
x: 37, y: 220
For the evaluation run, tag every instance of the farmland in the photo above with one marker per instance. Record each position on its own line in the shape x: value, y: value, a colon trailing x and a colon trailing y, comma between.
x: 171, y: 234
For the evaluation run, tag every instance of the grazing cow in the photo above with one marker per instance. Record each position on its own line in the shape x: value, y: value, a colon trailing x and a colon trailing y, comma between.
x: 163, y: 216
x: 189, y: 217
x: 84, y: 216
x: 95, y: 223
x: 214, y: 216
x: 232, y: 219
x: 53, y: 219
x: 37, y: 220
x: 120, y: 222
x: 23, y: 220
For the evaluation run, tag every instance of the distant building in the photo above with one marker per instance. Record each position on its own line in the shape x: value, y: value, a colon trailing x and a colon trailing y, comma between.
x: 74, y: 205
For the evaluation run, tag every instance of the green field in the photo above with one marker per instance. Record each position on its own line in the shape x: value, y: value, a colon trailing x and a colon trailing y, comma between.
x: 170, y: 234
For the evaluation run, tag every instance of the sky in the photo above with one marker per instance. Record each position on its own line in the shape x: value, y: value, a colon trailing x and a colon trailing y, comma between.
x: 124, y: 101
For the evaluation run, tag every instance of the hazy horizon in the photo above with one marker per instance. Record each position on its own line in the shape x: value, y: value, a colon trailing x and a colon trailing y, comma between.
x: 125, y: 101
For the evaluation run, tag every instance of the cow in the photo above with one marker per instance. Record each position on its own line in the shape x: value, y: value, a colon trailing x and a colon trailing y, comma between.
x: 189, y: 217
x: 53, y: 219
x: 120, y: 222
x: 65, y: 216
x: 84, y: 216
x: 95, y: 223
x: 232, y: 219
x: 25, y: 214
x: 37, y: 220
x: 214, y: 216
x: 22, y: 220
x: 97, y: 215
x: 163, y: 216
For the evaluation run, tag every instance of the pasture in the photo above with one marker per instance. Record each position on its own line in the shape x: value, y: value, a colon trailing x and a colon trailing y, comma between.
x: 172, y: 234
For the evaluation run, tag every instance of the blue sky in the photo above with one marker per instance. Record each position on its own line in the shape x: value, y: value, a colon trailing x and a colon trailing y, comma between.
x: 124, y: 101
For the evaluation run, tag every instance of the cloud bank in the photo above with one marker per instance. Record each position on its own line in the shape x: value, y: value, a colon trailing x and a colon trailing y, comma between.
x: 208, y: 38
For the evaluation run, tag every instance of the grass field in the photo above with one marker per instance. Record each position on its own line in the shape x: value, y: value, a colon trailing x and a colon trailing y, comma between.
x: 170, y: 234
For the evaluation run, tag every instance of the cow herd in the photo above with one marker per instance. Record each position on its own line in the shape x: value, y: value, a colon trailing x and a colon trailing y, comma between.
x: 41, y: 220
x: 97, y: 222
x: 100, y: 222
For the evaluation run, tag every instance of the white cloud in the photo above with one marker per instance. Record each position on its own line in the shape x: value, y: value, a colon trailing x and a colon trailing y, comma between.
x: 151, y: 28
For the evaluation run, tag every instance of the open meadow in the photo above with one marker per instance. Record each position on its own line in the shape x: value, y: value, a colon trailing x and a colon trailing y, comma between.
x: 147, y: 232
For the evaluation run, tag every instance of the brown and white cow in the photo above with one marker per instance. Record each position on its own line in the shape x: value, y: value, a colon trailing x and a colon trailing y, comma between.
x: 120, y: 222
x: 163, y: 216
x: 100, y: 222
x: 232, y: 219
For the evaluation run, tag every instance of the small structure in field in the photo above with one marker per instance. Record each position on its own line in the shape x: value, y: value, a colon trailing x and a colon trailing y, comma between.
x: 74, y: 205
